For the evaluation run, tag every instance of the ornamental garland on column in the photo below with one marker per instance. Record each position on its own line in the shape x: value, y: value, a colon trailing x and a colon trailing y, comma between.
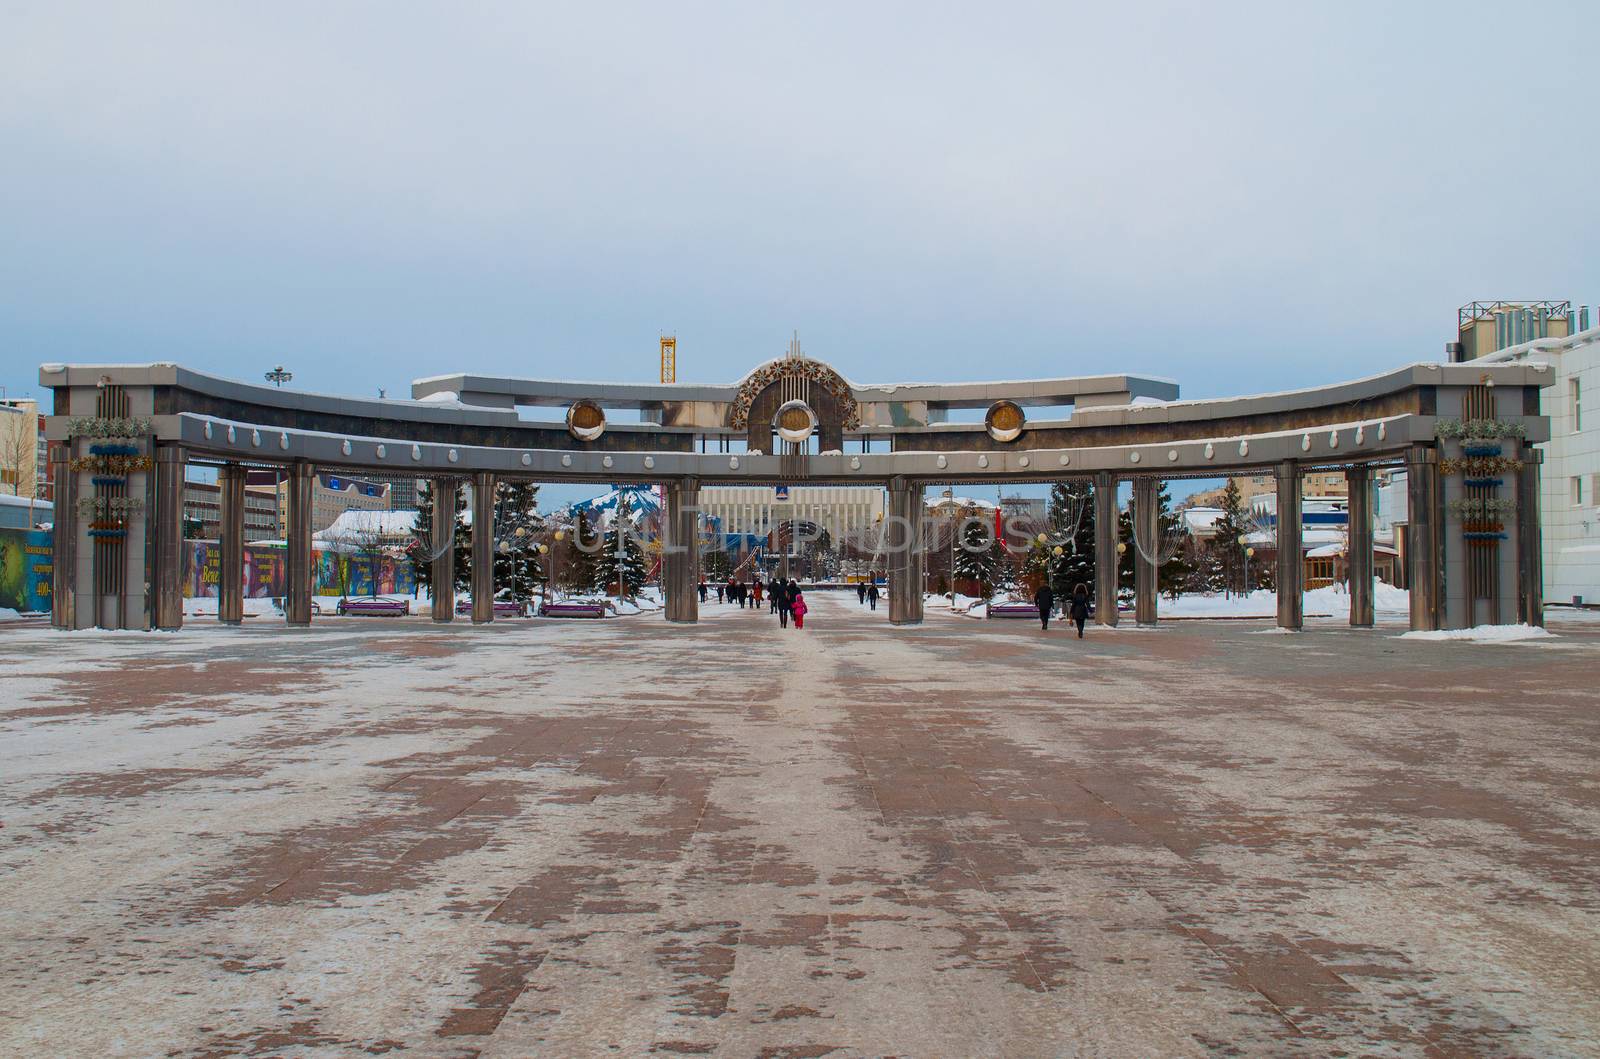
x: 108, y: 427
x: 1480, y: 464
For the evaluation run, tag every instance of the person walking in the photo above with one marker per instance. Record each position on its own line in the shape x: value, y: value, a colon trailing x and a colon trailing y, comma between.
x: 872, y: 595
x: 1080, y: 607
x: 775, y: 590
x: 798, y: 605
x: 1045, y: 600
x: 755, y: 590
x: 719, y: 591
x: 702, y: 591
x: 861, y: 592
x: 781, y: 594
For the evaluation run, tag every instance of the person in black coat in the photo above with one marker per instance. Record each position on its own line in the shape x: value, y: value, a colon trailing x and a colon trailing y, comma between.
x: 782, y: 594
x: 774, y: 594
x: 1080, y: 607
x: 861, y: 592
x: 872, y: 595
x: 1045, y: 600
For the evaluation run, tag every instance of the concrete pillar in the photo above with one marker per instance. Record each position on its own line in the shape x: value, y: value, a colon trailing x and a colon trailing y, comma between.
x: 167, y: 523
x: 482, y: 548
x: 1146, y: 528
x: 1530, y: 544
x: 64, y: 539
x: 230, y: 578
x: 300, y: 567
x: 1105, y: 548
x: 1291, y: 570
x: 903, y: 547
x: 1358, y: 552
x: 680, y: 557
x: 443, y: 572
x: 1424, y: 551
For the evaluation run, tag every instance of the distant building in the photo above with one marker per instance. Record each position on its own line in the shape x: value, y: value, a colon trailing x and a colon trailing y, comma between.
x: 18, y: 512
x: 334, y: 494
x: 1317, y: 483
x: 202, y: 512
x: 1569, y: 496
x: 24, y: 459
x: 364, y: 530
x: 1483, y: 328
x: 404, y: 490
x: 757, y: 510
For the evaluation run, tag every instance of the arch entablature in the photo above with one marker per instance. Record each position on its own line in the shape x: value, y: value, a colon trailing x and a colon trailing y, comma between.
x: 775, y: 372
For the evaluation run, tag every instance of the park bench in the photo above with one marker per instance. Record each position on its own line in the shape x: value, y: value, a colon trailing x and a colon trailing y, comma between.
x: 1013, y: 609
x: 503, y: 608
x: 573, y: 610
x: 379, y: 607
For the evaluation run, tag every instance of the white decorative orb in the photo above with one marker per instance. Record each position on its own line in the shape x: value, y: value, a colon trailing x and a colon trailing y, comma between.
x: 344, y: 447
x: 942, y: 462
x: 255, y: 438
x: 795, y: 421
x: 1383, y: 431
x: 283, y: 440
x: 1133, y: 457
x: 416, y: 452
x: 1023, y: 461
x: 606, y: 461
x: 733, y: 462
x: 649, y: 461
x: 1172, y: 455
x: 1064, y: 459
x: 383, y: 452
x: 855, y: 463
x: 1333, y: 439
x: 983, y: 461
x: 208, y: 430
x: 453, y: 455
x: 231, y: 438
x: 527, y: 459
x: 1305, y: 443
x: 1244, y: 448
x: 1211, y: 451
x: 566, y: 459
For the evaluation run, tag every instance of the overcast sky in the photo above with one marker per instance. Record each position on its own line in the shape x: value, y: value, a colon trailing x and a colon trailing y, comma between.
x: 1240, y: 197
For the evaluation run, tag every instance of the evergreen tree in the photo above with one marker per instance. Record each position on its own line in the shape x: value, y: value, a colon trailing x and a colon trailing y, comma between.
x: 1075, y: 566
x: 518, y: 522
x: 717, y: 565
x: 1175, y: 572
x: 622, y: 562
x: 582, y: 568
x: 979, y: 557
x: 1233, y: 523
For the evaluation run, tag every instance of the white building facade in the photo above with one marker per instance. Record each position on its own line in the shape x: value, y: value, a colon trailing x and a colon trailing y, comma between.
x: 759, y: 509
x: 1570, y: 477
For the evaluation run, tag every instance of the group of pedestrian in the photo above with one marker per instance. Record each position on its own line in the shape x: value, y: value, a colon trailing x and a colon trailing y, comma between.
x: 1077, y: 609
x: 867, y: 593
x: 787, y: 601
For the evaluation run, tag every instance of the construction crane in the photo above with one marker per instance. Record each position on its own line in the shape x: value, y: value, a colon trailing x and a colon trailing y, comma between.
x: 669, y: 358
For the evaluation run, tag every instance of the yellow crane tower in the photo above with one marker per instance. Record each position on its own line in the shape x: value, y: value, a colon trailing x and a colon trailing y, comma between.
x: 669, y: 358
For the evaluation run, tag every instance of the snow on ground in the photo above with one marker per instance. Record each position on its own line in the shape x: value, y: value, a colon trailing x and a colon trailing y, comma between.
x: 1262, y: 603
x: 6, y: 614
x: 1484, y: 634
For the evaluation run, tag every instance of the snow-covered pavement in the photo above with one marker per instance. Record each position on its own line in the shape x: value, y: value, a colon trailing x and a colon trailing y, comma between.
x: 626, y: 837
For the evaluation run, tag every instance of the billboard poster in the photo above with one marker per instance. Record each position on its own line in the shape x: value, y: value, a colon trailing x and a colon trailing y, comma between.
x: 25, y: 569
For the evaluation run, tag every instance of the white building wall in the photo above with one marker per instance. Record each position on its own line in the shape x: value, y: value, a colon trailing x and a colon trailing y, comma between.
x: 1571, y: 463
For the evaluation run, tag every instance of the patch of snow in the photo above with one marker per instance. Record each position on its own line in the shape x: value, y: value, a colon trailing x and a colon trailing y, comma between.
x: 6, y: 614
x: 1484, y: 634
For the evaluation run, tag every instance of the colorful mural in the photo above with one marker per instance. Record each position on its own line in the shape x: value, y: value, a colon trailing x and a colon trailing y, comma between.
x: 25, y: 569
x: 264, y: 572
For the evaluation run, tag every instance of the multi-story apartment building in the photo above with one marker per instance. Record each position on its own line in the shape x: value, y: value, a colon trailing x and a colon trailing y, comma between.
x: 202, y: 512
x: 1570, y: 477
x: 334, y: 494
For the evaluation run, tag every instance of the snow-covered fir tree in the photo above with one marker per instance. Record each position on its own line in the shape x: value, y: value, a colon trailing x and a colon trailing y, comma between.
x: 979, y: 557
x: 422, y: 531
x: 1232, y: 524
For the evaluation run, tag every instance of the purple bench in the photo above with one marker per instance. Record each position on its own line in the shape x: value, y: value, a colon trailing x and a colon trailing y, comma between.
x: 1013, y: 609
x: 503, y: 608
x: 573, y: 610
x: 389, y: 608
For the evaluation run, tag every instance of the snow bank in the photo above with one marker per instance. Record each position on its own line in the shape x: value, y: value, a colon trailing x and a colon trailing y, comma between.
x: 1484, y: 634
x: 1262, y: 603
x: 6, y: 614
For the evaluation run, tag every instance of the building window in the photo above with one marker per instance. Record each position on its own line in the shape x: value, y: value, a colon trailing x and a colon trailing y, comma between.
x: 1577, y: 490
x: 1577, y: 405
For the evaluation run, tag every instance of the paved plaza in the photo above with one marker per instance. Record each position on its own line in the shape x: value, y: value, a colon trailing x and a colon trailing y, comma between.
x: 963, y: 838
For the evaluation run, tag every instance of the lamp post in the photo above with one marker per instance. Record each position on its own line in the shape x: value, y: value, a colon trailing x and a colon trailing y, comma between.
x: 1244, y: 543
x: 278, y: 376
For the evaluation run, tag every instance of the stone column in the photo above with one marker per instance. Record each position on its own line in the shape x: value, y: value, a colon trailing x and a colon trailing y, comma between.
x: 1530, y: 544
x: 300, y: 567
x: 1291, y: 568
x: 1358, y: 552
x: 1105, y: 548
x: 1146, y: 528
x: 482, y: 548
x: 1424, y: 555
x: 443, y: 528
x: 680, y: 557
x: 64, y: 539
x: 230, y: 577
x: 903, y: 542
x: 167, y: 524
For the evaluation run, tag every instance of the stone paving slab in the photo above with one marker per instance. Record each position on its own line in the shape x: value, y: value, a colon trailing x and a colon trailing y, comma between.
x: 965, y: 838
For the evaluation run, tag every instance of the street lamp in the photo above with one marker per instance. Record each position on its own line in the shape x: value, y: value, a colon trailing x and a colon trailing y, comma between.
x: 278, y: 375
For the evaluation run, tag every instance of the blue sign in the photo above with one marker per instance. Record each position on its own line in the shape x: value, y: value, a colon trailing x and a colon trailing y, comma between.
x: 780, y: 492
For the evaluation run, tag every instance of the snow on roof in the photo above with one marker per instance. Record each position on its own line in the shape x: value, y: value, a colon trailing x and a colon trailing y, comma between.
x: 1201, y: 519
x: 361, y: 523
x: 1329, y: 551
x: 958, y: 501
x: 7, y: 500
